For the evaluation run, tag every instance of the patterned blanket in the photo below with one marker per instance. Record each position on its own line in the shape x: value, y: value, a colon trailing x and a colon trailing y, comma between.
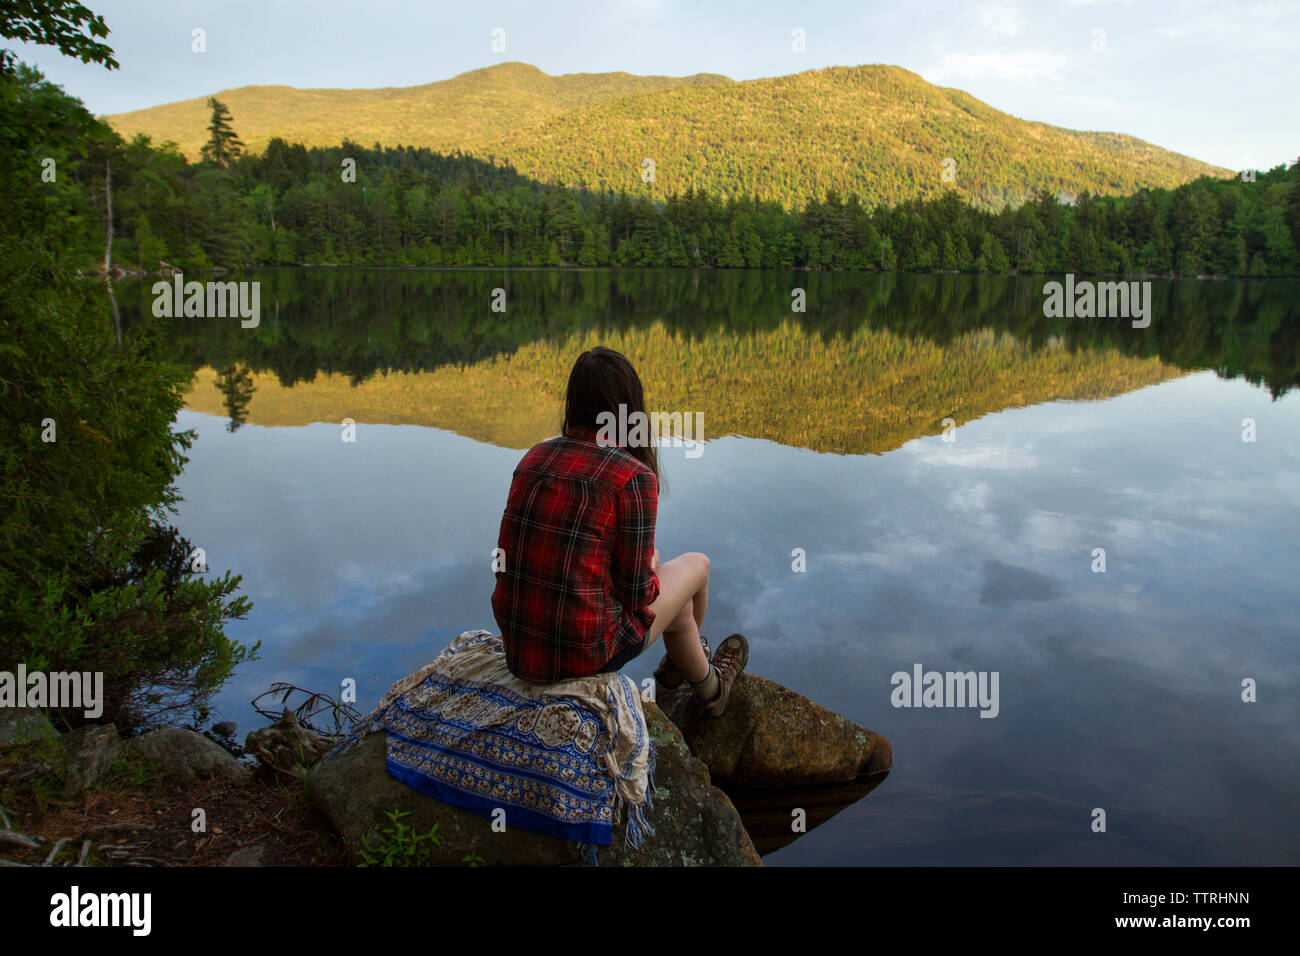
x: 564, y: 759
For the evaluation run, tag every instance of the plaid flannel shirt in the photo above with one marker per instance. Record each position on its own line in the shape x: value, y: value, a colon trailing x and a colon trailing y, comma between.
x: 577, y: 536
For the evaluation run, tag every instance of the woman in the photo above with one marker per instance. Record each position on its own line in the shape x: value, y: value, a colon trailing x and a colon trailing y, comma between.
x: 582, y: 590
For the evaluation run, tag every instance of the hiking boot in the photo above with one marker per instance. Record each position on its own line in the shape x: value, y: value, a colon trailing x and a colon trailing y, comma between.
x: 668, y: 676
x: 729, y: 661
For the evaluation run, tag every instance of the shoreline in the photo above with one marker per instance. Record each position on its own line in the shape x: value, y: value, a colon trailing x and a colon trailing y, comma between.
x: 135, y: 814
x: 118, y: 273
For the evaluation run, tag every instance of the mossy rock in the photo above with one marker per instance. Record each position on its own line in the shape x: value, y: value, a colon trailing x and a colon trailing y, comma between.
x: 695, y: 823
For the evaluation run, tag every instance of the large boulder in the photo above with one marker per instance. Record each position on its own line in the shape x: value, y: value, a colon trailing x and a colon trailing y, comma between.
x: 288, y: 746
x: 21, y: 725
x: 91, y: 750
x: 184, y: 753
x: 769, y: 736
x: 695, y: 823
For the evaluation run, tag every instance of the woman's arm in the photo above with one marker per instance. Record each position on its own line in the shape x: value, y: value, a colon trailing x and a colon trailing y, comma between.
x: 635, y: 582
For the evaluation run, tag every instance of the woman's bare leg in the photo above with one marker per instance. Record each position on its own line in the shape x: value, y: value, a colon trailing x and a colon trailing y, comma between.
x: 700, y: 604
x: 679, y: 613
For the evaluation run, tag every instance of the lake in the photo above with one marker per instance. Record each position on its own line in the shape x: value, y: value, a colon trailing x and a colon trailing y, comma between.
x: 948, y: 460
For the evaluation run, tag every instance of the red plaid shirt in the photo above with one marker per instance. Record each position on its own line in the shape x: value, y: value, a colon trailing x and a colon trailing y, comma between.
x: 577, y: 536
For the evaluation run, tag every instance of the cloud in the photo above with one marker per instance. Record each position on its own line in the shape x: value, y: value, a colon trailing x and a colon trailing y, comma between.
x: 1023, y: 66
x: 1004, y: 457
x: 1261, y: 26
x: 1001, y: 20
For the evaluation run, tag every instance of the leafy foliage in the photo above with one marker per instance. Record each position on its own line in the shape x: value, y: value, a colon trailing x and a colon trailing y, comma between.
x: 92, y: 578
x: 64, y: 24
x: 400, y: 844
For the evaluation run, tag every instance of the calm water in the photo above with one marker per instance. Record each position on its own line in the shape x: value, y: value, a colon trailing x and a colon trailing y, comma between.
x: 1118, y: 690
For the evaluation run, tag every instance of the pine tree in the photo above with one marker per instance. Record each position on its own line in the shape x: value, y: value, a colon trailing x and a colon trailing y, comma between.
x: 948, y: 254
x: 885, y: 252
x: 995, y: 259
x: 587, y: 254
x: 149, y: 248
x: 223, y: 146
x: 963, y: 253
x: 732, y: 257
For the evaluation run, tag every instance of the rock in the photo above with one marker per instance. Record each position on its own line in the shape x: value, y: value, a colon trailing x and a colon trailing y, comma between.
x: 769, y: 736
x: 91, y: 750
x: 21, y: 725
x: 287, y: 746
x: 187, y: 754
x: 695, y: 823
x: 246, y: 856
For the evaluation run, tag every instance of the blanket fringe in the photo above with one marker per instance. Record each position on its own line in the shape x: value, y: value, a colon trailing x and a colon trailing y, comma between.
x: 638, y: 825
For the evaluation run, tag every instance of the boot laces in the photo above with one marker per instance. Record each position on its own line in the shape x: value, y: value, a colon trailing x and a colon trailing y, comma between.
x: 727, y: 662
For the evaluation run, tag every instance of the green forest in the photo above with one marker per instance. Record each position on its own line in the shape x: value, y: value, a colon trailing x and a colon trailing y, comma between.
x: 93, y: 575
x: 349, y: 205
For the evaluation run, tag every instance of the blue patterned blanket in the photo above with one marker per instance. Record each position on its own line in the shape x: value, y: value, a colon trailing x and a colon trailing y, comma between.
x: 563, y: 759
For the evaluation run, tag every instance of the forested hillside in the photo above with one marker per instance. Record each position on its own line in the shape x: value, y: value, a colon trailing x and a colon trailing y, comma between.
x: 878, y: 132
x: 471, y: 108
x: 348, y: 205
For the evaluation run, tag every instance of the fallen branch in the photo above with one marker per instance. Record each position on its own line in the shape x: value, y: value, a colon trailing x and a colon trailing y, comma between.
x: 316, y: 703
x: 49, y: 860
x: 13, y: 838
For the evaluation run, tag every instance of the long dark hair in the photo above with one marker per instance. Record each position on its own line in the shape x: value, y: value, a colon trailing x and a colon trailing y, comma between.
x: 601, y: 381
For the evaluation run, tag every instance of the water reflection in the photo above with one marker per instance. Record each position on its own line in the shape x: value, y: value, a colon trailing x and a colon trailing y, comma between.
x: 361, y: 322
x: 1119, y: 690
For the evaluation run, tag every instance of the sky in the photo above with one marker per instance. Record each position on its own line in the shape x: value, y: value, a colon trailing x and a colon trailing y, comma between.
x: 1214, y: 79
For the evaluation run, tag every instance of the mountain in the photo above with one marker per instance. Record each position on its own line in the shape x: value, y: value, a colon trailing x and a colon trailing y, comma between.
x: 879, y: 132
x: 472, y: 107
